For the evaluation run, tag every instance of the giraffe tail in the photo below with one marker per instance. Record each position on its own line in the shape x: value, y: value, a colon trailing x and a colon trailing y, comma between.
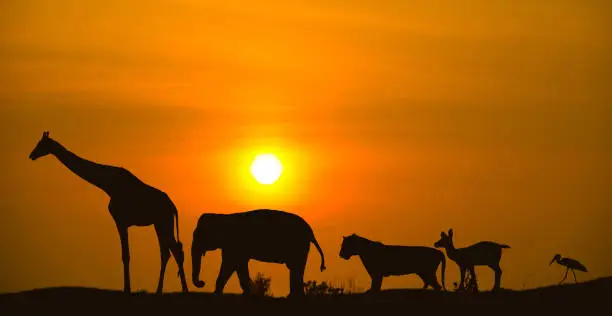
x: 178, y: 240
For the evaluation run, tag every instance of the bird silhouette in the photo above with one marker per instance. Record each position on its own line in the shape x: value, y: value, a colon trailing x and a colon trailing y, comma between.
x: 569, y: 264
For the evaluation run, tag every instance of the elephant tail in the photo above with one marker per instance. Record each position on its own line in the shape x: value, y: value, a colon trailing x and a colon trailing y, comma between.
x: 314, y: 241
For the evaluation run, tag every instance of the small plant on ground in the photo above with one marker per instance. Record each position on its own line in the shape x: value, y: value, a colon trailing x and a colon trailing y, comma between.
x: 312, y: 288
x: 351, y: 287
x: 261, y: 285
x: 470, y: 284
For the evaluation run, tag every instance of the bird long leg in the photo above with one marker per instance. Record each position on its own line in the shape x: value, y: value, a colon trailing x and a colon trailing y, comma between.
x: 565, y: 277
x: 574, y: 273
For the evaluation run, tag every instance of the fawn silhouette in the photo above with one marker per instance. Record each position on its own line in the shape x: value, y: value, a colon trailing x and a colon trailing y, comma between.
x: 484, y: 253
x: 132, y: 203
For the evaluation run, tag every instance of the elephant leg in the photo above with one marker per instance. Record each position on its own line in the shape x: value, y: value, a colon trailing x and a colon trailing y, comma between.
x: 125, y: 257
x: 228, y: 267
x: 296, y: 277
x: 244, y: 277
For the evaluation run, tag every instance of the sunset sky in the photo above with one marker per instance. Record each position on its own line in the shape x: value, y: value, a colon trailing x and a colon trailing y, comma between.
x: 394, y: 120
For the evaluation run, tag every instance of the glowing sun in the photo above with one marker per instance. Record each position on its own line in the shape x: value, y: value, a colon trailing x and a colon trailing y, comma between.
x: 266, y: 168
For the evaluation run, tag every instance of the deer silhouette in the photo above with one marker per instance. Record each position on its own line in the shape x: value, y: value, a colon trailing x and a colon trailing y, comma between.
x: 484, y: 253
x: 132, y: 203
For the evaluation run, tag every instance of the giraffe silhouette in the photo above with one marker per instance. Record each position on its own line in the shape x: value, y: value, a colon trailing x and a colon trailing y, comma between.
x: 132, y: 203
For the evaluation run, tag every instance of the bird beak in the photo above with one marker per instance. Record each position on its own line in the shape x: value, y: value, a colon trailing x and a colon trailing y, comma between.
x: 553, y: 260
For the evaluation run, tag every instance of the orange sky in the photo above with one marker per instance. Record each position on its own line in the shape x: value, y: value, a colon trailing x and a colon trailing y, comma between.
x: 394, y: 119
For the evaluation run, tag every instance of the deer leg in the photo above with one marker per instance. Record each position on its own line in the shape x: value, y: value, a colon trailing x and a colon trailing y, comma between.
x: 125, y: 257
x: 565, y: 277
x: 474, y: 284
x: 164, y: 251
x: 498, y: 274
x: 574, y: 273
x: 462, y: 281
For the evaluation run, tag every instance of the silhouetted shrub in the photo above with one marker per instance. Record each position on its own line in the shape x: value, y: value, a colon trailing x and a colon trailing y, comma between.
x: 261, y: 285
x: 351, y: 287
x: 470, y: 284
x: 313, y: 288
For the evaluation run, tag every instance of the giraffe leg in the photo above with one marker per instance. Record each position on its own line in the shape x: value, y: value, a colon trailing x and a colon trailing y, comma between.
x: 125, y: 257
x: 179, y: 257
x: 164, y: 251
x: 574, y: 273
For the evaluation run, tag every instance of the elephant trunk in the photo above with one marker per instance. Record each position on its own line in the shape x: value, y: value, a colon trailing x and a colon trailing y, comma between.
x: 196, y: 257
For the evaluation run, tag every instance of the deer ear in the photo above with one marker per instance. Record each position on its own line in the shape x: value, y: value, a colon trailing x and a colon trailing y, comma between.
x: 450, y: 233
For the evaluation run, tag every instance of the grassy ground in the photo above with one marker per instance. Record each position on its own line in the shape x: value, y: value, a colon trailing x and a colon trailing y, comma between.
x: 570, y: 299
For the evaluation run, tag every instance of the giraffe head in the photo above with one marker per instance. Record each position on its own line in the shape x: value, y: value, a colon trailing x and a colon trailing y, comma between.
x: 43, y: 147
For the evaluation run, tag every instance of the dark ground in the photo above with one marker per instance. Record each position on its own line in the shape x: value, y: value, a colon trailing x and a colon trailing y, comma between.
x: 588, y: 298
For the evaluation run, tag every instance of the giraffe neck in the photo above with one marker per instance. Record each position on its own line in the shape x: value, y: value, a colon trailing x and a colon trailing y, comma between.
x: 97, y: 174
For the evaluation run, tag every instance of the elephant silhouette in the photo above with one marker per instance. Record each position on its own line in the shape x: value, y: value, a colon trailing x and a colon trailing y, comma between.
x: 265, y: 235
